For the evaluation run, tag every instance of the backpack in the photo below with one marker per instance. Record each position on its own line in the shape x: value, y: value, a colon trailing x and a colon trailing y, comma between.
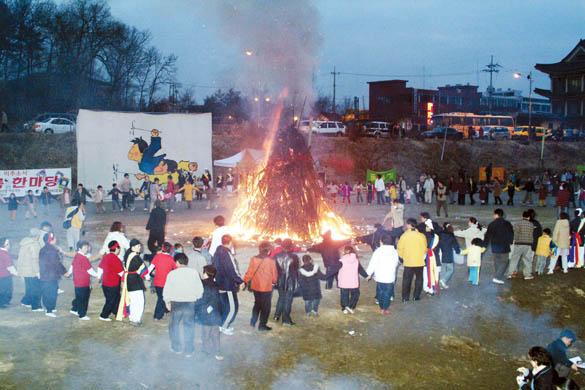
x: 68, y: 218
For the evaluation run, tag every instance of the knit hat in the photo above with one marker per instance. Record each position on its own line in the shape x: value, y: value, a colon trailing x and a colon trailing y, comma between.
x: 568, y: 333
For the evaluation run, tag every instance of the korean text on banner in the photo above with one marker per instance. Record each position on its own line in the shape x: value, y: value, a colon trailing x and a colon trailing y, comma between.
x: 19, y: 181
x: 388, y: 176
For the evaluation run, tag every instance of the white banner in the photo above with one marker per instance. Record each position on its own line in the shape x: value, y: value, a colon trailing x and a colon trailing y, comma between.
x: 19, y: 181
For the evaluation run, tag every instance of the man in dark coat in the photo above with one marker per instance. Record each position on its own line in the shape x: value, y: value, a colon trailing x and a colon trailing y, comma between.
x: 287, y: 264
x: 329, y: 250
x: 558, y: 352
x: 156, y: 227
x: 500, y: 234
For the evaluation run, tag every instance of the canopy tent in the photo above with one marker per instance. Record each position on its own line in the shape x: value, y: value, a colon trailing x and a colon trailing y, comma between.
x: 244, y: 157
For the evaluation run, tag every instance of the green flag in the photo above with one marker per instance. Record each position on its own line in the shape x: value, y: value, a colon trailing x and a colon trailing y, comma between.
x: 388, y: 176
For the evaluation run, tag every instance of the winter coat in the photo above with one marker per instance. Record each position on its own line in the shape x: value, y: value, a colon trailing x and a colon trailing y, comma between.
x: 470, y: 233
x: 462, y: 188
x: 309, y: 281
x: 50, y: 266
x: 448, y: 243
x: 383, y: 264
x: 500, y: 234
x: 28, y: 257
x: 329, y: 250
x: 288, y: 266
x: 543, y: 380
x: 442, y: 193
x: 120, y: 238
x: 157, y: 220
x: 227, y: 276
x: 563, y: 198
x: 543, y: 247
x: 562, y: 234
x: 208, y: 307
x: 473, y: 255
x: 497, y: 188
x: 412, y: 247
x: 263, y: 274
x: 536, y: 233
x: 348, y: 276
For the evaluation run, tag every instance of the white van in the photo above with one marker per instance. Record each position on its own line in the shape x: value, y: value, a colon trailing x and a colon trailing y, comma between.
x: 324, y: 127
x: 377, y: 129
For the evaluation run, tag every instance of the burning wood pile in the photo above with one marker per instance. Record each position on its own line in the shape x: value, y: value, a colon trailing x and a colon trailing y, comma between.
x: 283, y: 197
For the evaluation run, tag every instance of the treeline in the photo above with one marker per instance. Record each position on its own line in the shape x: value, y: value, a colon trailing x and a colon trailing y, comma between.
x: 61, y: 57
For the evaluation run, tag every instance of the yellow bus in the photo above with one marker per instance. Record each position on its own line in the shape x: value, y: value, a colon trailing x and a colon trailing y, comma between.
x: 463, y: 121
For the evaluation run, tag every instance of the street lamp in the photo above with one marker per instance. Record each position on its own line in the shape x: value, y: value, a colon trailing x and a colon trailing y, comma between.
x: 529, y: 77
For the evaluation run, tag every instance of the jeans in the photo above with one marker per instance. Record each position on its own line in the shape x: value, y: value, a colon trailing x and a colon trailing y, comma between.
x: 5, y: 291
x: 155, y: 239
x: 284, y: 305
x: 501, y: 261
x: 49, y: 294
x: 349, y: 297
x: 160, y: 309
x: 182, y: 315
x: 116, y: 204
x: 442, y: 204
x: 125, y: 199
x: 262, y: 304
x: 380, y: 197
x: 447, y: 270
x: 474, y: 275
x: 461, y: 199
x: 452, y: 196
x: 210, y: 339
x: 329, y: 281
x: 407, y: 275
x: 527, y: 198
x: 229, y: 307
x: 32, y: 294
x: 81, y: 301
x: 359, y: 198
x: 384, y: 291
x: 112, y: 295
x: 524, y: 253
x: 312, y: 305
x: 540, y: 264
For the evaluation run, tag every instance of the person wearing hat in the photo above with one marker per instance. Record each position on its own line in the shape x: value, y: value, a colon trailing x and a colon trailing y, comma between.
x: 132, y: 298
x: 50, y: 271
x: 7, y: 270
x: 558, y: 352
x: 110, y: 270
x: 28, y: 268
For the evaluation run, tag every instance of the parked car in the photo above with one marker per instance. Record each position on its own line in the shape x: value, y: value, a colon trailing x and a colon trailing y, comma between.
x: 572, y: 135
x: 439, y: 132
x: 324, y: 127
x: 54, y: 125
x: 377, y: 129
x: 523, y: 132
x: 496, y: 132
x: 29, y: 126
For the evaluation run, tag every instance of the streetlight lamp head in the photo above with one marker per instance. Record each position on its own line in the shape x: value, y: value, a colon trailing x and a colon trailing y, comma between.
x: 256, y: 99
x: 249, y: 52
x: 517, y: 75
x: 267, y: 99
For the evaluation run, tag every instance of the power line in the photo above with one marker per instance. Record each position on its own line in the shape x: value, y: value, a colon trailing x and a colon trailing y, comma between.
x: 410, y: 75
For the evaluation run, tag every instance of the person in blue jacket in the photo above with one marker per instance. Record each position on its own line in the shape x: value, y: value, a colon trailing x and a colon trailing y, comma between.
x: 558, y: 352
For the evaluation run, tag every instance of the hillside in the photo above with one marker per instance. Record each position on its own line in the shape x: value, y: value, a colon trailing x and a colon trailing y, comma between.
x: 341, y: 158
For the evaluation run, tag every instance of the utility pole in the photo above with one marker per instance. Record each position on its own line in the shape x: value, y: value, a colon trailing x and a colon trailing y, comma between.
x: 334, y: 73
x: 491, y: 68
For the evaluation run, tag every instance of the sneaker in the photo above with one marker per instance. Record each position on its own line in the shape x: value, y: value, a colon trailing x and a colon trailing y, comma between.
x: 59, y: 291
x: 314, y: 313
x: 529, y: 277
x: 189, y: 355
x: 549, y: 273
x: 25, y: 305
x: 105, y: 319
x: 345, y: 311
x: 289, y: 323
x: 218, y: 357
x: 443, y: 285
x: 565, y: 271
x: 74, y: 312
x: 509, y: 277
x: 173, y: 351
x: 145, y: 209
x: 52, y: 315
x: 385, y: 312
x: 226, y: 331
x: 349, y: 309
x: 172, y: 211
x: 264, y: 328
x: 85, y: 318
x: 497, y: 281
x: 39, y: 309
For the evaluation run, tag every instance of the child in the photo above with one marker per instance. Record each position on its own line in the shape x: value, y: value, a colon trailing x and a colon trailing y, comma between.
x: 115, y: 192
x: 543, y: 249
x: 309, y: 277
x: 348, y: 279
x: 65, y: 198
x: 30, y: 200
x: 387, y: 193
x: 358, y: 190
x: 483, y: 195
x: 333, y: 190
x: 370, y: 192
x: 542, y: 193
x: 474, y: 259
x: 130, y: 200
x: 188, y: 189
x: 99, y: 200
x: 346, y: 192
x: 178, y: 249
x: 408, y: 195
x: 81, y: 270
x: 45, y: 197
x: 393, y: 191
x: 382, y: 267
x: 207, y: 313
x: 12, y: 205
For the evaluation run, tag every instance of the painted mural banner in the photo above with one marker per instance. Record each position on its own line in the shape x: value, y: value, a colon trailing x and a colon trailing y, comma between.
x: 497, y: 172
x: 388, y: 176
x: 19, y: 181
x: 111, y: 144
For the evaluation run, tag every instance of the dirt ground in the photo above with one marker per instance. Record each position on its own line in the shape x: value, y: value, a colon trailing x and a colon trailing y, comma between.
x: 464, y: 338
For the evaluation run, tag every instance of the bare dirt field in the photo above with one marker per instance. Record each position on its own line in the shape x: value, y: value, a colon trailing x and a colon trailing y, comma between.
x: 464, y: 338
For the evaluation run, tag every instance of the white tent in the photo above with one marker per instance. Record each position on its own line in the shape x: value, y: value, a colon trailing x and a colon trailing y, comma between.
x: 246, y: 154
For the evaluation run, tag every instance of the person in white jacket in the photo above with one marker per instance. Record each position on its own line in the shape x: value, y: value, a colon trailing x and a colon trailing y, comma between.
x: 116, y: 233
x: 382, y: 267
x: 429, y: 186
x: 474, y: 230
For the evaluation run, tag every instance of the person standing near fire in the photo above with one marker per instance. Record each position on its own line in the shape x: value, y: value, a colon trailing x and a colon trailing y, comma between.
x: 329, y: 250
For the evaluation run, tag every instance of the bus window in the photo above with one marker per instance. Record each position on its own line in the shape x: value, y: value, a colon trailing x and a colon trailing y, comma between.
x: 493, y: 121
x: 507, y: 122
x: 456, y: 120
x: 468, y: 121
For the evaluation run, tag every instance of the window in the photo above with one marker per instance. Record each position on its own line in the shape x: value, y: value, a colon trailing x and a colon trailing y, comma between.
x: 323, y: 125
x: 558, y: 85
x: 468, y: 121
x: 573, y: 108
x: 507, y: 122
x: 332, y: 125
x: 574, y: 84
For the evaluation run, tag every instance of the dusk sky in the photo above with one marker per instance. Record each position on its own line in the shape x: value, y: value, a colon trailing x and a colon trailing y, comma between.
x: 396, y: 39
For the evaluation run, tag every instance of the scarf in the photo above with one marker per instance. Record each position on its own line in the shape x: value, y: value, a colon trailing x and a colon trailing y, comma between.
x: 431, y: 265
x: 124, y: 306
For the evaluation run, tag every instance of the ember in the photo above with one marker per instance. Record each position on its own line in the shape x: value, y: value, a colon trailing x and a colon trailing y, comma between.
x: 283, y: 197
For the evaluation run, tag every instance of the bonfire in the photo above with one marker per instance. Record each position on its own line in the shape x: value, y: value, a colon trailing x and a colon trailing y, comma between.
x: 283, y: 197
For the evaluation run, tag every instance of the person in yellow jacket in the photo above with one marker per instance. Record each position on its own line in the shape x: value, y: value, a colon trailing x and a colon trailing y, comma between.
x: 74, y: 217
x: 412, y: 247
x: 188, y: 194
x: 543, y: 250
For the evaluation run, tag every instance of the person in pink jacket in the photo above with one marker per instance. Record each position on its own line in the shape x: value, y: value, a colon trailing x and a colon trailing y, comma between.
x: 348, y: 279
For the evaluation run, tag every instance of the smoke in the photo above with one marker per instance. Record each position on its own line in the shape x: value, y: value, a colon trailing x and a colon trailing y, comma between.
x: 276, y: 42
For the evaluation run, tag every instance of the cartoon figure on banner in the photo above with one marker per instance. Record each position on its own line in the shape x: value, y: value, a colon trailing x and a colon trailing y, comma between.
x: 63, y: 181
x: 156, y: 166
